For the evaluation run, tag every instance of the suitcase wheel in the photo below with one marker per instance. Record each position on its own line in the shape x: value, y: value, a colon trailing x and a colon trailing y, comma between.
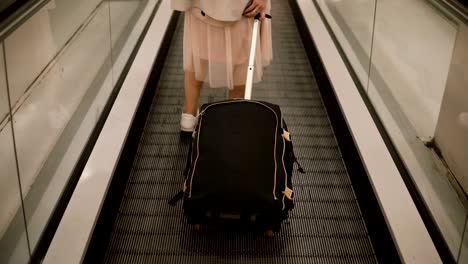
x: 269, y: 233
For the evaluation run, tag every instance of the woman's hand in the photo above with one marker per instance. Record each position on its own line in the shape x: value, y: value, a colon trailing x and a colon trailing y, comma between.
x: 257, y: 6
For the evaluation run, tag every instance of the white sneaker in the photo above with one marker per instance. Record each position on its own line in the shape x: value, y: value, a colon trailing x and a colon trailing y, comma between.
x: 188, y: 122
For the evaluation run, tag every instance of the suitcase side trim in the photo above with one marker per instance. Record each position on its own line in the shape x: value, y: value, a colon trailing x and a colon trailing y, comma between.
x: 285, y: 172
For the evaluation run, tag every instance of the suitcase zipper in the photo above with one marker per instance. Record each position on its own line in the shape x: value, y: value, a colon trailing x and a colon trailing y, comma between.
x: 198, y: 140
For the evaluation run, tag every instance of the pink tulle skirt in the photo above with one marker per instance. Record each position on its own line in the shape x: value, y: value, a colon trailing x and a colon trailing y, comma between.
x: 219, y: 55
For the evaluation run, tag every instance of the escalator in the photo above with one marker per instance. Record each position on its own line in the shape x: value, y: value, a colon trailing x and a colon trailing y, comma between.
x: 334, y: 220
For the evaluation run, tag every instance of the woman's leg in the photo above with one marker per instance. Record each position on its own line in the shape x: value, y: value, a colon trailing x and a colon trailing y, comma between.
x: 192, y: 93
x: 237, y: 92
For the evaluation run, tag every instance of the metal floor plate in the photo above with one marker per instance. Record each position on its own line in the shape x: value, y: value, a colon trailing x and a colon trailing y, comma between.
x: 326, y: 225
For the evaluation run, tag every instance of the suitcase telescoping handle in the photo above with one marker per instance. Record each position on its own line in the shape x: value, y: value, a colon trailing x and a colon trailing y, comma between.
x: 251, y: 66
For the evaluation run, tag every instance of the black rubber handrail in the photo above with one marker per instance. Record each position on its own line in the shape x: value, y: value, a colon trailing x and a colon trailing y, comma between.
x: 16, y: 14
x: 457, y: 8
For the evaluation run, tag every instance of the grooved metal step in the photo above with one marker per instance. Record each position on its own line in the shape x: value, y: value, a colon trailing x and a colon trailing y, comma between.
x: 326, y: 225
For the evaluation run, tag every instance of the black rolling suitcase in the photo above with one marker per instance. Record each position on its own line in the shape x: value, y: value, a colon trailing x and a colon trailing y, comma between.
x: 240, y: 162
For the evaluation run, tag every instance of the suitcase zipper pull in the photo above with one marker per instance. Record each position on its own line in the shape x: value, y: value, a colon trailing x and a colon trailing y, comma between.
x: 300, y: 169
x: 176, y: 198
x: 287, y: 136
